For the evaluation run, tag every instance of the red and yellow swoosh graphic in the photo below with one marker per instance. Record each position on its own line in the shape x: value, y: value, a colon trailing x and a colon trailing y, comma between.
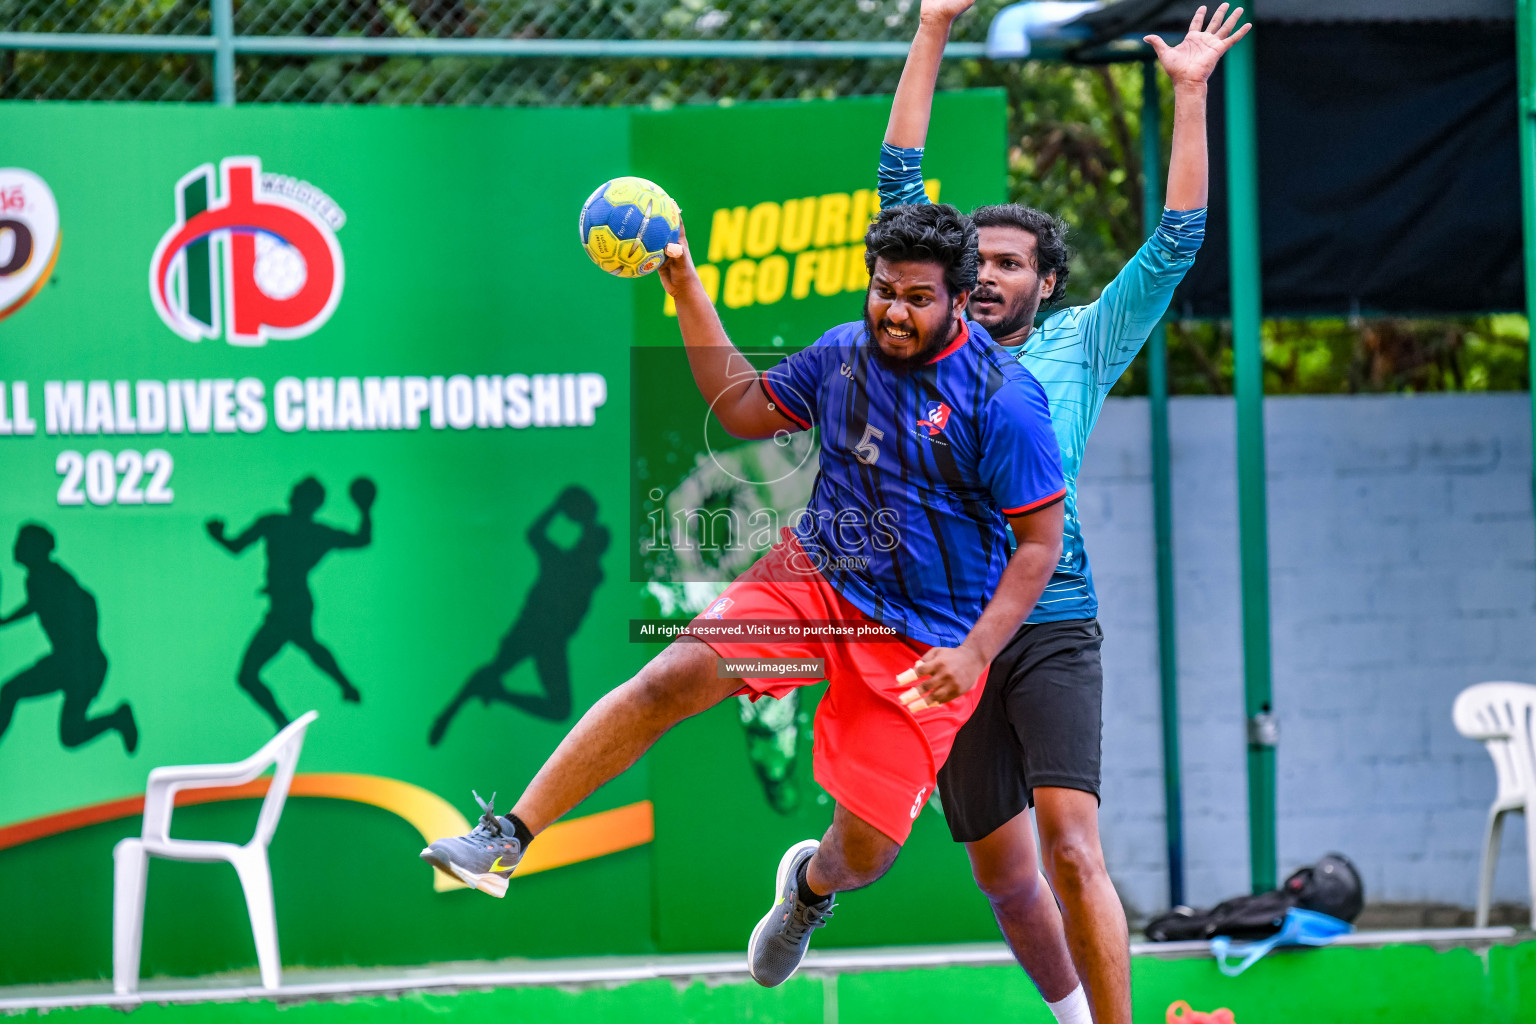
x: 566, y: 842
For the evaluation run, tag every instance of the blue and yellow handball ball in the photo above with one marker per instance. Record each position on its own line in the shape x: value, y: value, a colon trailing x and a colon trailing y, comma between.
x: 627, y: 224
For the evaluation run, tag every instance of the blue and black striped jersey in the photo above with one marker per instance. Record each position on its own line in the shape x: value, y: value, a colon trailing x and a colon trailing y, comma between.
x: 917, y: 471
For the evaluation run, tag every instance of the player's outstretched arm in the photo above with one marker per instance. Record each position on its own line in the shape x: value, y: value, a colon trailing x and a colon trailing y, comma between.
x: 725, y: 378
x: 17, y: 615
x: 538, y: 533
x: 1114, y: 326
x: 1189, y: 66
x: 951, y: 671
x: 910, y: 111
x: 363, y: 492
x: 341, y: 539
x: 900, y: 174
x: 235, y: 545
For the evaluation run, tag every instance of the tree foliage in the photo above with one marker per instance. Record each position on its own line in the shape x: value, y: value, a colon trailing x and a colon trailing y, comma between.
x: 1074, y: 132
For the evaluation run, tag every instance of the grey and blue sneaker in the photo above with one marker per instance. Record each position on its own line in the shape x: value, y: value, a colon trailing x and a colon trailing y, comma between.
x: 485, y: 857
x: 780, y: 940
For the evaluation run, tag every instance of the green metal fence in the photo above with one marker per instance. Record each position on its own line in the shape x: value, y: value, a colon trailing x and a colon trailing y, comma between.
x: 460, y: 52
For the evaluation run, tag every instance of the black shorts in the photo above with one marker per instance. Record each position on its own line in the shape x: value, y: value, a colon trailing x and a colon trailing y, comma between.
x: 1039, y: 723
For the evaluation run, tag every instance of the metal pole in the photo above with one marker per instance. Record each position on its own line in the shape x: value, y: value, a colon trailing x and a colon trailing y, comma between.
x: 223, y: 12
x: 1248, y: 364
x: 307, y: 46
x: 105, y: 42
x: 1162, y: 499
x: 1525, y: 44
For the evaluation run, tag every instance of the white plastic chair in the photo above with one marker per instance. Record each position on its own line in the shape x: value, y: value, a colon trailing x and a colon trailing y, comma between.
x: 1501, y: 715
x: 131, y: 856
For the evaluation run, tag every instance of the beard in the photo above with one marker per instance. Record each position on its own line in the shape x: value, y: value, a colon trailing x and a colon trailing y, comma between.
x: 1014, y: 317
x: 927, y: 347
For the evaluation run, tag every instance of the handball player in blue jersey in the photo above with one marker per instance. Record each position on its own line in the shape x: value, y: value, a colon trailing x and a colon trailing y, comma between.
x: 933, y: 441
x: 1035, y: 736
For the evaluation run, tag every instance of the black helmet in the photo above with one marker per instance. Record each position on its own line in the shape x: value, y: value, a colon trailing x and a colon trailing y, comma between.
x: 1331, y: 886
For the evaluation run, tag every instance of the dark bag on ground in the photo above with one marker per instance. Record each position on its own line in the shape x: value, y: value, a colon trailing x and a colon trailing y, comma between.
x: 1331, y: 886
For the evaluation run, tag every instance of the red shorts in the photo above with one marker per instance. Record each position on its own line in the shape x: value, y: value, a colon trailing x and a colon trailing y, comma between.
x: 877, y: 759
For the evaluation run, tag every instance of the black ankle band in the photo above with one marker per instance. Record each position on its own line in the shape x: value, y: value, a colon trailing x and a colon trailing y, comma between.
x: 810, y: 897
x: 520, y: 830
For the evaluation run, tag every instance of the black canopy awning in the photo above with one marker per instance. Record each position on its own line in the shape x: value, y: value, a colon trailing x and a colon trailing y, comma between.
x: 1389, y: 175
x: 1138, y: 17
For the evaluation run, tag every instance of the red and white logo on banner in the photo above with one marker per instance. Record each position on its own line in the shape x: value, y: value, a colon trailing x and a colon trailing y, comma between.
x: 256, y: 260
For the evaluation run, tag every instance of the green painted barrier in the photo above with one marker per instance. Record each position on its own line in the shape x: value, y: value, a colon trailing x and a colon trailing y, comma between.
x: 1391, y: 985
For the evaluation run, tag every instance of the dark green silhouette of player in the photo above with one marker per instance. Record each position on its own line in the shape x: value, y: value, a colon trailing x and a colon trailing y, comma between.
x: 552, y: 612
x: 295, y: 545
x: 77, y: 666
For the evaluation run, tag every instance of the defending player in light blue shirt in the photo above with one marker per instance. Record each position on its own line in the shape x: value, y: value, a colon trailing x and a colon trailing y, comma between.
x: 1076, y: 353
x: 1034, y: 740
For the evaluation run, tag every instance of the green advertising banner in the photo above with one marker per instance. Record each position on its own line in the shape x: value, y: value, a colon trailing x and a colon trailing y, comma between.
x: 325, y: 408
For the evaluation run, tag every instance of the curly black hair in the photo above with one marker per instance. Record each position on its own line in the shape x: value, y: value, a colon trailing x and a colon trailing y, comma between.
x: 926, y: 233
x: 1051, y: 252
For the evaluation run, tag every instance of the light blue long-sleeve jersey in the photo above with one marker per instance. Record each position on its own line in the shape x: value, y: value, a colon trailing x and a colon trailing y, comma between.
x: 1077, y: 354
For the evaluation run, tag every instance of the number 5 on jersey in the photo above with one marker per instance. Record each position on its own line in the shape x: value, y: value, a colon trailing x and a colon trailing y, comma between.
x: 866, y: 451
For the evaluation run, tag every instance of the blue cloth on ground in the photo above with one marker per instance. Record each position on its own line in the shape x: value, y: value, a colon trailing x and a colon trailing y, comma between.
x: 1301, y: 928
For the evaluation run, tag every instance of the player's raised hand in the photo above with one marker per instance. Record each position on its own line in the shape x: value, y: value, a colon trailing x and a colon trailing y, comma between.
x: 1193, y: 60
x: 364, y: 492
x: 944, y: 11
x: 215, y: 528
x: 940, y: 676
x: 678, y: 267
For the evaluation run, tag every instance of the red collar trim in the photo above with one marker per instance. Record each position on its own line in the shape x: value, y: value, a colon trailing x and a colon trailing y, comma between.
x: 954, y: 346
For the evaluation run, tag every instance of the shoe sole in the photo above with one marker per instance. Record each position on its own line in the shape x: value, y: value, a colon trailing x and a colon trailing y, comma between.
x: 491, y: 885
x: 780, y: 879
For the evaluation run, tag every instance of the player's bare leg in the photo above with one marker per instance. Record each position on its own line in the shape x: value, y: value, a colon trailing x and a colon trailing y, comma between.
x: 677, y: 684
x: 851, y: 855
x: 1090, y: 908
x: 269, y: 639
x: 1007, y: 869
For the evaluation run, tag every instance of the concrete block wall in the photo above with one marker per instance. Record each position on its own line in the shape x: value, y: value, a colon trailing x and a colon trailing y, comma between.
x: 1403, y: 569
